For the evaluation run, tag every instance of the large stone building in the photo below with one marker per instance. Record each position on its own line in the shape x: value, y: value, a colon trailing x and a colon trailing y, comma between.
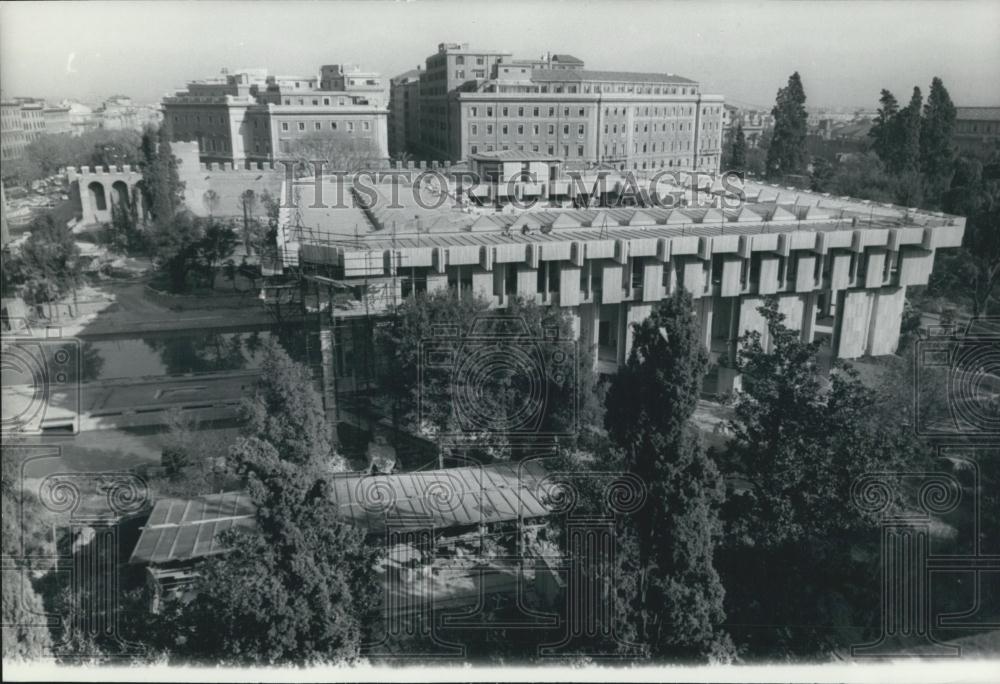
x: 977, y: 131
x: 250, y: 115
x: 755, y: 122
x: 473, y: 101
x: 404, y: 90
x: 838, y: 267
x: 22, y: 120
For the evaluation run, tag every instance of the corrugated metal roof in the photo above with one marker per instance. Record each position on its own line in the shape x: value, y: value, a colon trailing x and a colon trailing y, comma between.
x: 185, y: 529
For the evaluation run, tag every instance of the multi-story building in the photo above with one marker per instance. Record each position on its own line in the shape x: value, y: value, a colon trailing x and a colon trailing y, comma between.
x: 118, y: 112
x: 977, y: 130
x: 452, y: 67
x: 57, y: 119
x: 554, y: 106
x: 250, y: 115
x: 754, y: 121
x: 838, y: 267
x: 404, y: 94
x: 11, y: 130
x: 23, y: 121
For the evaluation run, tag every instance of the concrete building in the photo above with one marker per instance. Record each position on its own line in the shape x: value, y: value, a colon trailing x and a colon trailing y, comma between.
x: 977, y: 131
x: 404, y: 115
x: 473, y: 101
x: 250, y: 115
x: 839, y: 267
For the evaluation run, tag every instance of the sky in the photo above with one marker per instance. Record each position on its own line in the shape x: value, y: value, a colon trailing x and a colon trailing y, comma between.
x: 846, y: 52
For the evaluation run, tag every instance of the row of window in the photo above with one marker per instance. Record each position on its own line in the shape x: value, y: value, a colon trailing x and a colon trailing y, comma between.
x: 581, y: 129
x: 523, y: 111
x: 349, y: 126
x: 588, y: 88
x: 550, y: 149
x: 341, y: 101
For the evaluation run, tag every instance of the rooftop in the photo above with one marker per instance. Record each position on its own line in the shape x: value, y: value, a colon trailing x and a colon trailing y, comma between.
x: 187, y: 529
x: 977, y: 113
x: 592, y: 75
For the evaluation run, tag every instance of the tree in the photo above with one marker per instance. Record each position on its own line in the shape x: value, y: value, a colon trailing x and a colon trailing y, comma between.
x: 337, y: 151
x: 907, y: 159
x: 787, y: 151
x: 177, y: 242
x: 164, y: 191
x: 210, y: 198
x: 25, y: 632
x: 884, y: 131
x: 218, y: 244
x: 442, y: 391
x: 679, y: 606
x: 248, y: 205
x: 737, y: 159
x: 799, y: 442
x: 48, y: 265
x: 298, y: 589
x: 936, y: 155
x: 287, y: 413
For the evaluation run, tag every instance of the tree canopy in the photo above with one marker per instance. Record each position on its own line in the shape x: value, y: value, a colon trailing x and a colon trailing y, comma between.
x: 787, y: 151
x: 678, y: 609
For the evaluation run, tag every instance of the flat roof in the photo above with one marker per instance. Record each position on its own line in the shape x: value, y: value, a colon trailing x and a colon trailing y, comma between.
x: 188, y: 529
x: 595, y: 75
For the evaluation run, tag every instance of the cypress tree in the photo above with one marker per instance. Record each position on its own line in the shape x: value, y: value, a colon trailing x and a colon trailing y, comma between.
x: 908, y: 159
x: 936, y: 157
x: 679, y: 602
x: 884, y: 132
x: 787, y: 152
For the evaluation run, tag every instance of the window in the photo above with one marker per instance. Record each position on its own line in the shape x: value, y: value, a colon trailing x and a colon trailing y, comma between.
x: 473, y: 111
x: 350, y: 126
x: 582, y: 111
x: 552, y: 111
x: 284, y: 125
x: 552, y: 129
x: 551, y: 150
x: 504, y: 112
x: 520, y: 130
x: 579, y: 150
x: 460, y: 60
x: 460, y: 73
x: 474, y: 129
x: 475, y: 149
x: 534, y: 112
x: 333, y: 125
x: 489, y: 129
x: 489, y: 111
x: 534, y: 129
x: 315, y: 103
x: 479, y: 61
x: 504, y: 129
x: 565, y: 111
x: 580, y: 129
x: 520, y: 111
x: 366, y: 125
x: 326, y: 101
x: 565, y: 130
x: 317, y: 125
x: 302, y: 126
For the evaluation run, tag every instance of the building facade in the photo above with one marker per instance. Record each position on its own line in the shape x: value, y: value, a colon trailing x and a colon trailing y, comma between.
x: 472, y: 102
x: 23, y: 121
x: 250, y: 115
x: 838, y: 267
x: 977, y: 131
x: 754, y: 121
x: 404, y: 116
